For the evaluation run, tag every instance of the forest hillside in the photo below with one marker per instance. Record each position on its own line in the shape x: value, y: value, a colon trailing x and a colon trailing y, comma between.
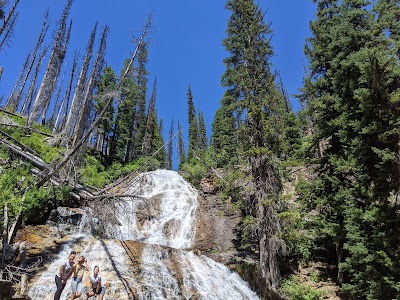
x: 301, y: 204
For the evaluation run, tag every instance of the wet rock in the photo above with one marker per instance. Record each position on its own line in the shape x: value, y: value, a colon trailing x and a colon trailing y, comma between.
x: 6, y: 289
x: 147, y: 210
x: 66, y: 219
x: 66, y: 215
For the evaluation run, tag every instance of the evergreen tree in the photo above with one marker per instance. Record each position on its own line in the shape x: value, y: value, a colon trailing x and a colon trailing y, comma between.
x: 352, y: 99
x: 158, y: 144
x: 151, y: 125
x: 181, y: 145
x: 193, y: 126
x: 253, y: 101
x: 139, y: 121
x: 124, y: 118
x: 202, y: 133
x: 224, y: 138
x: 106, y: 87
x: 169, y: 146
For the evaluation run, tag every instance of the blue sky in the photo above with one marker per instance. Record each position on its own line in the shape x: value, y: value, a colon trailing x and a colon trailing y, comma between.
x: 186, y: 47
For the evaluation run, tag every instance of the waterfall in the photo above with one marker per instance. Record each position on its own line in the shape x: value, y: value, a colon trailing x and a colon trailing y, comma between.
x: 147, y: 253
x: 163, y: 212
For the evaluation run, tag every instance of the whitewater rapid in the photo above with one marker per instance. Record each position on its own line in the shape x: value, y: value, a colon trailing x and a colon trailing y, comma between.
x: 147, y: 254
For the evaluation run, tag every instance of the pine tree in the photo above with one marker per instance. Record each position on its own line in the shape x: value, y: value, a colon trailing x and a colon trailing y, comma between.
x: 193, y: 126
x: 352, y: 99
x: 107, y: 85
x: 181, y: 145
x: 253, y: 96
x: 139, y: 119
x: 202, y: 133
x: 158, y: 144
x: 224, y: 134
x: 124, y: 118
x: 169, y: 146
x: 151, y: 125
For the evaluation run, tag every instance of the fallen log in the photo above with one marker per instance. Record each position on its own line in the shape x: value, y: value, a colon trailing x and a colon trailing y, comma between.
x: 27, y: 128
x: 22, y: 146
x: 36, y: 161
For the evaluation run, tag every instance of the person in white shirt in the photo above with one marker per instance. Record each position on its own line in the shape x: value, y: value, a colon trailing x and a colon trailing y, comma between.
x: 62, y: 275
x: 96, y: 289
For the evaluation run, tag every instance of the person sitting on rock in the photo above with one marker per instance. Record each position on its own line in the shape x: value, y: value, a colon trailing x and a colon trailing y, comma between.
x: 96, y: 289
x: 77, y: 272
x: 62, y: 275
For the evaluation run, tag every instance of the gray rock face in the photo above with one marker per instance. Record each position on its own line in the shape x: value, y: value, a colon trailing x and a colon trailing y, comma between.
x: 218, y: 233
x: 217, y: 226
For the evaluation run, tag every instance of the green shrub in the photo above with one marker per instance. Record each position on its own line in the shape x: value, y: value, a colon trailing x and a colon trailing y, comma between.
x: 36, y: 142
x: 193, y: 172
x: 296, y: 290
x: 93, y: 172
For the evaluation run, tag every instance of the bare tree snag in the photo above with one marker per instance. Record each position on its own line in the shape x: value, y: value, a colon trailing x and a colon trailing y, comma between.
x: 84, y: 110
x: 65, y: 100
x: 76, y: 104
x: 54, y: 66
x: 26, y: 106
x: 75, y: 148
x: 10, y: 100
x: 14, y: 99
x: 6, y: 29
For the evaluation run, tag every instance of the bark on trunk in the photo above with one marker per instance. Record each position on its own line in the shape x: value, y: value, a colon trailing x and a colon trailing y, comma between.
x: 24, y: 275
x: 5, y: 236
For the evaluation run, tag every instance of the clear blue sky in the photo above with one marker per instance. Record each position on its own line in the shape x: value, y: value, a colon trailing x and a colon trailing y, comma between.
x: 185, y: 49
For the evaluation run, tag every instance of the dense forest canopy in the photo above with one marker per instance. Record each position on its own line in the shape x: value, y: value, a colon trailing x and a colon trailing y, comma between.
x: 76, y: 133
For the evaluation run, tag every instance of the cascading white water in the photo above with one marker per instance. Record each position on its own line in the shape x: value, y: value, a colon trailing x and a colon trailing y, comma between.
x: 158, y: 266
x: 169, y: 201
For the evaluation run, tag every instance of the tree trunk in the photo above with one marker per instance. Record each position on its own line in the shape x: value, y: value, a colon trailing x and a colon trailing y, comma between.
x: 5, y: 236
x: 24, y: 276
x: 267, y: 193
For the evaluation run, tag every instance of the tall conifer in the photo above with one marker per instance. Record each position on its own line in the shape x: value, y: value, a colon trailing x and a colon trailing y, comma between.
x: 193, y: 126
x: 253, y: 102
x: 353, y: 102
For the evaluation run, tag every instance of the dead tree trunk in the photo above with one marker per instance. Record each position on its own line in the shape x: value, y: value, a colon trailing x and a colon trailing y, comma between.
x: 7, y: 27
x: 76, y: 105
x: 14, y: 99
x: 26, y: 106
x: 109, y: 100
x: 54, y: 66
x: 65, y: 100
x: 56, y: 107
x: 84, y: 113
x: 10, y: 105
